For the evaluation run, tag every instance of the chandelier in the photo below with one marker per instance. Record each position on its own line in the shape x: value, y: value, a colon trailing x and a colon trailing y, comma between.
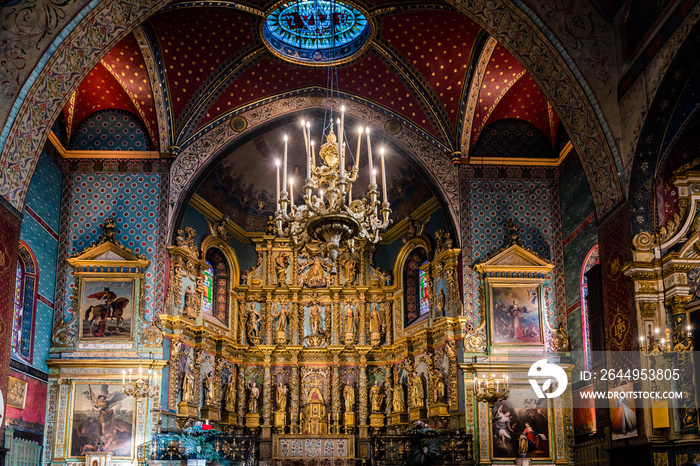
x: 328, y: 214
x: 491, y: 389
x: 140, y: 385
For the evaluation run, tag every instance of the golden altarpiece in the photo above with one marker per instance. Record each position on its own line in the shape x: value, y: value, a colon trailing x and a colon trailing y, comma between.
x: 291, y: 352
x: 666, y: 273
x: 513, y: 334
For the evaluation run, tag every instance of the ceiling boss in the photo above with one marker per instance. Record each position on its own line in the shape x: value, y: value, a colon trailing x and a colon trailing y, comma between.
x: 328, y: 213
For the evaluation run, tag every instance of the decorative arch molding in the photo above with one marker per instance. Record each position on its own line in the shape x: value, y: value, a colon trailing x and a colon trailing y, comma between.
x: 24, y: 315
x: 421, y: 241
x: 203, y: 151
x: 512, y: 23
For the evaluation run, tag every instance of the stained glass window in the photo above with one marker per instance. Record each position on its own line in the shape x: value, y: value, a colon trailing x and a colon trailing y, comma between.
x: 316, y: 31
x: 219, y: 280
x: 424, y: 298
x: 208, y: 290
x: 17, y: 315
x: 26, y: 281
x: 416, y: 291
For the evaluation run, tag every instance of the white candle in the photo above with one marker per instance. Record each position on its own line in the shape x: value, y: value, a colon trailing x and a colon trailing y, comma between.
x: 308, y: 136
x: 359, y: 143
x: 313, y: 153
x: 123, y: 377
x: 291, y: 191
x: 130, y: 375
x: 381, y: 151
x: 369, y: 156
x: 321, y: 193
x: 277, y: 162
x: 284, y: 167
x: 341, y: 145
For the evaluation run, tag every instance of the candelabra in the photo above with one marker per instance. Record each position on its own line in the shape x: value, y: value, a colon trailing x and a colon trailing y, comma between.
x: 140, y: 385
x: 491, y: 389
x: 652, y: 344
x: 329, y: 214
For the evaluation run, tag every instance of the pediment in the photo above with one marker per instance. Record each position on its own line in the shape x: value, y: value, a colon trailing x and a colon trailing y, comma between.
x: 515, y: 258
x: 108, y: 253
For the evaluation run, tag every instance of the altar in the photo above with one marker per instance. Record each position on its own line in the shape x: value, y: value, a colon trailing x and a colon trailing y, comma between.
x: 301, y: 447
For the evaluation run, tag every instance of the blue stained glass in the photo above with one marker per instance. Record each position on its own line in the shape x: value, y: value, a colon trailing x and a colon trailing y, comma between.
x: 316, y: 31
x: 17, y: 315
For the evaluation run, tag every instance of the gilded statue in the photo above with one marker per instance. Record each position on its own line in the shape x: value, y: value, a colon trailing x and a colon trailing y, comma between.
x: 209, y: 391
x: 218, y: 229
x: 349, y: 270
x: 190, y: 302
x: 374, y: 320
x: 281, y: 396
x: 231, y: 394
x: 438, y: 387
x: 440, y: 304
x: 315, y: 276
x: 315, y: 318
x: 281, y: 264
x: 349, y: 320
x: 254, y: 393
x: 397, y: 400
x: 281, y: 316
x: 253, y: 324
x: 415, y: 393
x: 376, y: 397
x: 188, y: 384
x: 349, y: 396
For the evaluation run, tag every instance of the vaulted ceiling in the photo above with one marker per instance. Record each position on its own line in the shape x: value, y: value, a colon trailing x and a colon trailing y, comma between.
x: 427, y: 66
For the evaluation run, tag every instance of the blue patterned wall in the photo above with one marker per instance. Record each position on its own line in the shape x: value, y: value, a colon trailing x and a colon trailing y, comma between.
x: 110, y: 130
x: 40, y: 226
x: 488, y: 201
x: 139, y: 202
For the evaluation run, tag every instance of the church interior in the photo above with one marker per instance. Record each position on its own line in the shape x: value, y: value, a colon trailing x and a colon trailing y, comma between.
x: 325, y: 232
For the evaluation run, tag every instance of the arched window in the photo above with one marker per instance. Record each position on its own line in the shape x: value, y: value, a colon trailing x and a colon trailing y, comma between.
x: 218, y: 289
x: 207, y: 295
x: 416, y: 303
x: 592, y: 258
x: 26, y: 282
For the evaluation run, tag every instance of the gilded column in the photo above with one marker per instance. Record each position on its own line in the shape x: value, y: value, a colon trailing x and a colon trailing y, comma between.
x: 294, y: 386
x: 335, y: 390
x: 388, y: 388
x: 362, y: 389
x: 335, y: 316
x: 361, y: 325
x: 389, y: 319
x: 267, y: 384
x: 268, y: 320
x: 240, y: 385
x: 297, y: 323
x: 683, y: 350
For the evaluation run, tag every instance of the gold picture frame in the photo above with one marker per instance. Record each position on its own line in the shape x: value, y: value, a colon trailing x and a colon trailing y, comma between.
x: 107, y: 307
x: 516, y: 314
x: 16, y: 393
x: 94, y: 403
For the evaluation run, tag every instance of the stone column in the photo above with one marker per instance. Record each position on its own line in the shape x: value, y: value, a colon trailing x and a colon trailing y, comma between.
x: 294, y: 386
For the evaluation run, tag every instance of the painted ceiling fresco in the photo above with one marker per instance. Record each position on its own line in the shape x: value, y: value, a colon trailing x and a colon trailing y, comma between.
x: 242, y: 185
x: 212, y: 63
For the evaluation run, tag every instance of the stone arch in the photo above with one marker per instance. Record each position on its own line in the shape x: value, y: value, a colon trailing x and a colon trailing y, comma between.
x: 205, y: 149
x: 512, y: 23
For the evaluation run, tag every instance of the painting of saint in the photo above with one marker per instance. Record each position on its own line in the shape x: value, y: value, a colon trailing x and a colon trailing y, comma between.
x: 103, y: 418
x: 515, y: 312
x: 623, y: 414
x: 106, y: 308
x: 520, y: 426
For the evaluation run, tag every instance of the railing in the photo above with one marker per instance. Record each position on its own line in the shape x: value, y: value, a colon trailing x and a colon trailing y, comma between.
x: 230, y: 449
x: 423, y: 447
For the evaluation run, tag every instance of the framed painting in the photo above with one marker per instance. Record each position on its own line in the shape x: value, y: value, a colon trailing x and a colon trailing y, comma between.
x: 623, y: 413
x: 102, y: 417
x: 520, y: 426
x: 16, y: 393
x: 107, y: 308
x: 516, y: 314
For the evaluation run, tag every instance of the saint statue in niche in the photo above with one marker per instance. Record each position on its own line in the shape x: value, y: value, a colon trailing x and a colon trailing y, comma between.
x: 315, y: 318
x: 315, y: 276
x: 349, y: 270
x: 281, y: 264
x: 397, y: 400
x: 281, y: 397
x: 281, y: 316
x: 349, y: 323
x: 349, y: 396
x: 188, y: 384
x: 415, y: 393
x: 231, y: 394
x: 376, y: 397
x: 253, y: 398
x: 253, y: 324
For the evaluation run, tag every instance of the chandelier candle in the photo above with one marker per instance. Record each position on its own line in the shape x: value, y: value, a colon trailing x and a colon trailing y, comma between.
x: 381, y: 153
x: 277, y: 162
x: 369, y: 153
